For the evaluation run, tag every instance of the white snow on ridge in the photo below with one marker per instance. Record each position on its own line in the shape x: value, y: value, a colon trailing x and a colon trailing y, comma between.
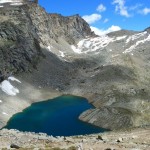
x: 99, y: 43
x: 1, y: 6
x: 135, y: 36
x: 136, y: 44
x: 143, y: 41
x: 75, y: 49
x: 92, y: 44
x: 129, y: 49
x: 120, y: 38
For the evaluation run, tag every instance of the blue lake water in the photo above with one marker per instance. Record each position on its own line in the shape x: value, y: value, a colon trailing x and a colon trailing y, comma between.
x: 57, y: 117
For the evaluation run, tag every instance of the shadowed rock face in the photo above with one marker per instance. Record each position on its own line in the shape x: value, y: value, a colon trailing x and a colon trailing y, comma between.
x: 19, y: 51
x: 53, y: 55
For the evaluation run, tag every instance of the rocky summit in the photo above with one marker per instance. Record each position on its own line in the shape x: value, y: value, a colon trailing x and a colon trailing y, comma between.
x: 46, y: 55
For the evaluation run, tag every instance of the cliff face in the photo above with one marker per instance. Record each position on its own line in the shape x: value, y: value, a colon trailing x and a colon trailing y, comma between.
x: 54, y: 26
x: 20, y: 49
x: 24, y: 28
x: 53, y: 55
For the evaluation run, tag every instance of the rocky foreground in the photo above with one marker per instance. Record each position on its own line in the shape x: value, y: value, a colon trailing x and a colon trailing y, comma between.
x: 51, y: 55
x: 136, y: 139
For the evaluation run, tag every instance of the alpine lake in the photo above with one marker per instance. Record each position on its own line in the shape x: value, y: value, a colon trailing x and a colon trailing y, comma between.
x: 56, y: 117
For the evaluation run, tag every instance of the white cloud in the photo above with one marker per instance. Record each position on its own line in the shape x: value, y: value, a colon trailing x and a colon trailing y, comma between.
x: 135, y: 7
x: 92, y: 18
x: 101, y: 8
x: 97, y: 31
x: 121, y: 8
x: 145, y: 11
x: 113, y: 28
x: 106, y: 20
x: 103, y: 32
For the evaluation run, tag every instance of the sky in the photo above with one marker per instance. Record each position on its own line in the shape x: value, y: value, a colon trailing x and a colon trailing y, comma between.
x: 104, y: 15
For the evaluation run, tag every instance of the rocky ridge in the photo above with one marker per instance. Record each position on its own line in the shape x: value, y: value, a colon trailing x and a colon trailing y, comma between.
x: 51, y: 55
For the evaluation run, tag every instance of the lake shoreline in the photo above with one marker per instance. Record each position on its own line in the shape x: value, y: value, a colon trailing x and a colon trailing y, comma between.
x: 52, y: 114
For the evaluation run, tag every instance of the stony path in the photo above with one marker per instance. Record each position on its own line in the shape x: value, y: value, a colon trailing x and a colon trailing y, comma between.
x: 137, y: 139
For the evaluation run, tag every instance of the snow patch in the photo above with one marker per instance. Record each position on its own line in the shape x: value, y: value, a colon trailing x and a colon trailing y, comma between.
x: 92, y: 44
x: 115, y: 55
x: 14, y: 79
x: 135, y: 36
x: 8, y: 88
x: 4, y: 113
x: 49, y: 48
x: 10, y: 1
x: 143, y: 41
x: 62, y: 54
x: 1, y: 101
x: 129, y: 49
x: 1, y: 6
x: 120, y: 38
x: 136, y: 44
x: 16, y: 4
x: 75, y: 49
x: 97, y: 44
x: 92, y: 75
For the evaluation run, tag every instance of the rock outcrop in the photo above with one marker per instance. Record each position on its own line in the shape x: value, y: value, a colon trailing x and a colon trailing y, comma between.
x: 72, y: 28
x: 20, y: 49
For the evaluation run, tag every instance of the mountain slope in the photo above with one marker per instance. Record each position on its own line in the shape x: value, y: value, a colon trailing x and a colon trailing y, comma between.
x: 51, y: 55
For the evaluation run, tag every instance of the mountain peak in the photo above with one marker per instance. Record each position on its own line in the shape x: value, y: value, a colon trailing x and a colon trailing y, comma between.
x: 72, y: 28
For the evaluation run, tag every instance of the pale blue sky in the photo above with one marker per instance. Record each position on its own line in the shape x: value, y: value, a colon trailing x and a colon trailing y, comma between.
x: 103, y: 14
